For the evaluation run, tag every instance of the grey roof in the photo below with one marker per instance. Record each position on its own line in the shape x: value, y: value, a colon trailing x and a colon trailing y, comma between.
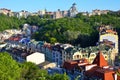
x: 44, y: 63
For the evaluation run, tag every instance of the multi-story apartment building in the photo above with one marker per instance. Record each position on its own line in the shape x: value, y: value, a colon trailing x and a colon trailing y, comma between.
x: 42, y: 12
x: 23, y: 13
x: 110, y: 37
x: 97, y: 70
x: 65, y: 13
x: 58, y: 51
x: 5, y: 11
x: 99, y: 12
x: 58, y: 14
x: 61, y: 52
x: 91, y: 52
x: 55, y: 15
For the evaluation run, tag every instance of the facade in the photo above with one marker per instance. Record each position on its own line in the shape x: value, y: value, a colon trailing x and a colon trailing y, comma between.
x: 109, y: 37
x: 72, y: 11
x: 42, y: 12
x: 78, y: 55
x: 56, y: 54
x: 59, y: 52
x: 2, y: 45
x: 50, y: 13
x: 95, y: 12
x: 46, y: 65
x: 89, y: 53
x: 99, y: 12
x: 102, y: 71
x: 40, y: 46
x: 6, y: 12
x: 26, y: 30
x: 54, y: 15
x: 58, y: 14
x: 36, y: 58
x: 22, y: 13
x: 47, y: 49
x: 8, y: 33
x: 65, y: 13
x: 98, y: 70
x: 85, y: 13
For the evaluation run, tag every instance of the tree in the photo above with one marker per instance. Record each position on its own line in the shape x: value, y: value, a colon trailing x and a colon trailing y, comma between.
x: 59, y: 77
x: 46, y: 16
x: 9, y: 68
x: 53, y: 40
x: 9, y: 22
x: 71, y: 35
x: 31, y: 72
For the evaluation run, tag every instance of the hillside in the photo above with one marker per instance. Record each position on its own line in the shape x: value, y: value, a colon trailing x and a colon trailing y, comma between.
x: 80, y: 30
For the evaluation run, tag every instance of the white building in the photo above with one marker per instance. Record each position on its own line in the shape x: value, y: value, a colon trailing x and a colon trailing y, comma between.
x: 109, y: 35
x: 72, y: 12
x: 36, y: 58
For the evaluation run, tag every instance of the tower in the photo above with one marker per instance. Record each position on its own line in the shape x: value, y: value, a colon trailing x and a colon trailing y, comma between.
x: 73, y: 10
x: 100, y: 60
x: 110, y: 37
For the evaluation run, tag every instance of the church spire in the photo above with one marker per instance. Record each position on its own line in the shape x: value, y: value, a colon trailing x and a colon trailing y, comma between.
x: 74, y: 4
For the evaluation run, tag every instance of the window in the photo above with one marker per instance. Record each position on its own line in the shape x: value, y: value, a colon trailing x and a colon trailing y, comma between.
x: 83, y: 55
x: 74, y: 57
x: 77, y: 56
x: 92, y: 55
x: 105, y: 57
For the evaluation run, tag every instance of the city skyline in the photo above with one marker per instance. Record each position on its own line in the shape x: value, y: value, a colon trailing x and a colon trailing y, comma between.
x: 54, y: 5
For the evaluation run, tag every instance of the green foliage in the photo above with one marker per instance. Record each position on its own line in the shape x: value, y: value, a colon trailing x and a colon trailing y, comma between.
x: 9, y: 22
x: 32, y: 72
x: 79, y: 30
x: 46, y: 16
x: 63, y: 30
x: 9, y: 68
x: 59, y: 77
x: 35, y: 20
x: 53, y: 40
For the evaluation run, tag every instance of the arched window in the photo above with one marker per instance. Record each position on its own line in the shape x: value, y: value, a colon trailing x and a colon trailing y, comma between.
x: 77, y: 56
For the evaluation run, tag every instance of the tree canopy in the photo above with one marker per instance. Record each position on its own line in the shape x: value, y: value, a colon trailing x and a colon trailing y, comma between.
x: 12, y: 70
x: 9, y: 22
x: 80, y: 30
x: 9, y: 68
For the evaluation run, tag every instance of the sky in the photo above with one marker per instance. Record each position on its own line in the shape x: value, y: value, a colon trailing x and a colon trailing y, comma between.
x: 54, y: 5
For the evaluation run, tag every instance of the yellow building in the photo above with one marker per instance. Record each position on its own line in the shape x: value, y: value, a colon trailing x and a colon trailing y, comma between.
x: 92, y: 57
x: 110, y: 37
x: 77, y: 55
x: 90, y: 53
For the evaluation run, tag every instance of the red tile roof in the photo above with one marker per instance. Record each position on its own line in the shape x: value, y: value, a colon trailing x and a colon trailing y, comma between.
x: 111, y: 31
x: 105, y: 74
x: 100, y: 60
x: 74, y: 63
x: 102, y: 69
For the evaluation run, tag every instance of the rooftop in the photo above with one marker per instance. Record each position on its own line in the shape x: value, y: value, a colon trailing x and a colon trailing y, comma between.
x: 100, y: 60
